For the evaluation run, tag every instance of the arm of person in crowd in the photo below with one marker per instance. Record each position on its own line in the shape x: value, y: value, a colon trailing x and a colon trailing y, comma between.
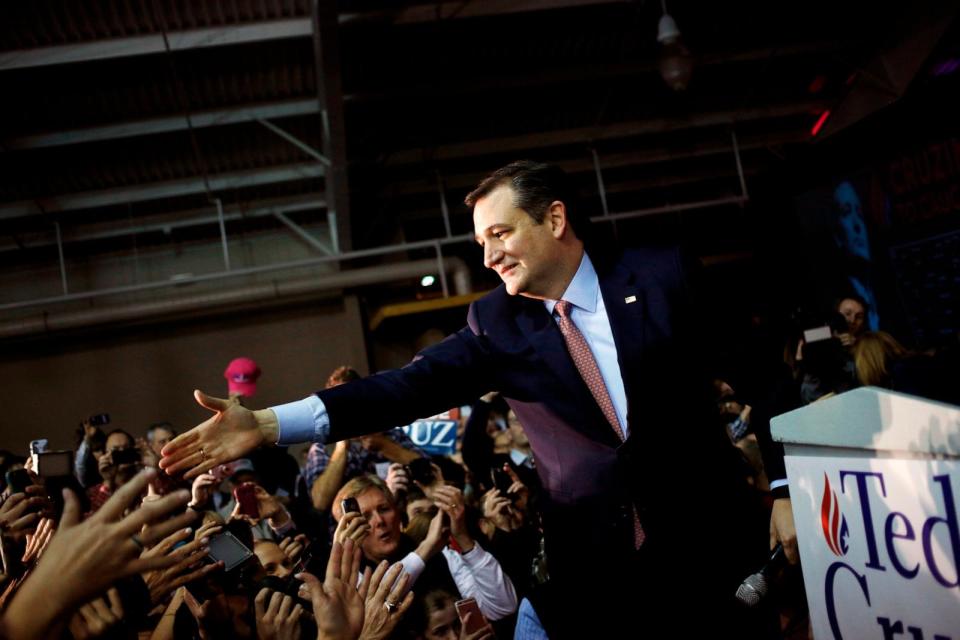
x: 85, y: 465
x: 479, y: 575
x: 325, y: 487
x: 85, y: 558
x: 273, y: 511
x: 402, y: 451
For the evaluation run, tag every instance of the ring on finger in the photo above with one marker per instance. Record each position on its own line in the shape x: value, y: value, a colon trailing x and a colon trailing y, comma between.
x: 391, y: 606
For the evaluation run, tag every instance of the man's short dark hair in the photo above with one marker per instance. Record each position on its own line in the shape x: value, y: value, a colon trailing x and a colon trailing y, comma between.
x: 159, y: 425
x: 341, y: 375
x: 130, y: 438
x: 536, y: 186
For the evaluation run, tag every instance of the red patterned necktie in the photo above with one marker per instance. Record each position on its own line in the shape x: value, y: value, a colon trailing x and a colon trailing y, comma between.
x: 590, y: 372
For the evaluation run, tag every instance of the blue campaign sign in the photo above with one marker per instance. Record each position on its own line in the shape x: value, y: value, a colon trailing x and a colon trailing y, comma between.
x: 435, y: 436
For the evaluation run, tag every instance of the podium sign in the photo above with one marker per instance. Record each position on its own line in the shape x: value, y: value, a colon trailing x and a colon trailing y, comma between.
x: 874, y: 484
x: 880, y: 546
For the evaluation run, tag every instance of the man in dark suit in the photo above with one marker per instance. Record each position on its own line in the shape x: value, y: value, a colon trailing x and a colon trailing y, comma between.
x: 598, y: 356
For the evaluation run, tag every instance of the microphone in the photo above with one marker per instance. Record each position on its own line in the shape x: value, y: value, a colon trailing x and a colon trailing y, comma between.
x: 755, y: 587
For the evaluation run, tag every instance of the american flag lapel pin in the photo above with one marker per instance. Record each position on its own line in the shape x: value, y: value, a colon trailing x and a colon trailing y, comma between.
x: 630, y: 299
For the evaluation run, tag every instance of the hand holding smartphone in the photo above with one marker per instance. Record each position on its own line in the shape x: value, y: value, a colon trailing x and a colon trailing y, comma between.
x: 477, y: 621
x: 246, y: 495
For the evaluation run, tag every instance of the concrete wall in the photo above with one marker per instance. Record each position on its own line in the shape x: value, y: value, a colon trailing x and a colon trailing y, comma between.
x: 147, y: 374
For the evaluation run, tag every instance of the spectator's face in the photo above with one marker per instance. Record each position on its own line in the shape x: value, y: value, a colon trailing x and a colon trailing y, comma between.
x: 274, y: 562
x: 160, y: 439
x: 443, y: 624
x: 855, y: 315
x: 415, y: 507
x: 384, y: 521
x: 516, y: 430
x: 118, y: 441
x: 522, y: 252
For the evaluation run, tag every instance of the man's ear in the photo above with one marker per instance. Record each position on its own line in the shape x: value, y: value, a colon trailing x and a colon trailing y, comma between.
x: 557, y: 218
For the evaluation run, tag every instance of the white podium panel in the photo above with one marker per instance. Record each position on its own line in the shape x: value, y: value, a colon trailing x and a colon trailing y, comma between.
x: 874, y: 483
x: 879, y: 543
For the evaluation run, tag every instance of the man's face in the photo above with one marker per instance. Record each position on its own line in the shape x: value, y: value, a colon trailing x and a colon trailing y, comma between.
x: 160, y: 438
x: 521, y: 251
x: 384, y: 521
x: 855, y: 315
x: 118, y: 441
x: 444, y: 624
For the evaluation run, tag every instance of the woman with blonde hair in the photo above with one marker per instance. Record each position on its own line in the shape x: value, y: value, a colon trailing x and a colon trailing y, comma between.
x: 874, y: 355
x: 881, y: 361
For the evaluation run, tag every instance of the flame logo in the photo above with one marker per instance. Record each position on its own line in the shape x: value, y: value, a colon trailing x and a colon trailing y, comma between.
x: 834, y: 523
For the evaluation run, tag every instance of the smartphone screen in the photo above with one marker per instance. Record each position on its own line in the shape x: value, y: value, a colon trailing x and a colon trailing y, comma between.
x: 477, y: 621
x: 349, y: 505
x: 52, y: 464
x: 229, y: 549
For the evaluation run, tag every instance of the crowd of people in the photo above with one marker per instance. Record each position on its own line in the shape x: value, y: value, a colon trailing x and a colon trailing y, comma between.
x: 548, y: 517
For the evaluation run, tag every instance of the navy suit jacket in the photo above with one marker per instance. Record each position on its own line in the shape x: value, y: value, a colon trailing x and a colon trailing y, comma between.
x: 591, y: 480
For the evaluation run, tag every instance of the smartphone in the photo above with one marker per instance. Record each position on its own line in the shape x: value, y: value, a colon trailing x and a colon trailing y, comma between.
x: 99, y: 420
x: 349, y: 505
x: 226, y: 547
x: 18, y: 480
x: 817, y: 334
x: 246, y: 495
x: 53, y: 464
x: 501, y: 480
x: 421, y: 470
x: 126, y: 456
x: 477, y: 621
x: 39, y: 446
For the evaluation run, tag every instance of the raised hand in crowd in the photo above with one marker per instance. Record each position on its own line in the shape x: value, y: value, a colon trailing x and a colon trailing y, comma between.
x: 499, y: 510
x: 352, y: 526
x: 436, y: 538
x: 147, y: 455
x: 202, y: 489
x: 85, y: 558
x: 397, y: 480
x: 231, y: 433
x: 450, y: 501
x: 277, y: 615
x: 293, y: 547
x: 483, y: 633
x: 188, y: 564
x: 39, y: 540
x: 20, y: 512
x: 386, y: 600
x: 337, y: 605
x: 97, y: 617
x: 271, y: 508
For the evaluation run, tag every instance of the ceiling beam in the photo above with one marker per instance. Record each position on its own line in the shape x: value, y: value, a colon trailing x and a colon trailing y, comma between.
x: 452, y: 9
x: 160, y: 190
x: 166, y: 223
x: 589, y: 135
x: 180, y: 122
x: 153, y: 43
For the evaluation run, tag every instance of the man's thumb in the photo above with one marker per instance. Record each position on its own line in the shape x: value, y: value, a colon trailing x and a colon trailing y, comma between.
x: 209, y: 402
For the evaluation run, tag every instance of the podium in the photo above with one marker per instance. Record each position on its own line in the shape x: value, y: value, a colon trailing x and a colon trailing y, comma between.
x: 874, y: 484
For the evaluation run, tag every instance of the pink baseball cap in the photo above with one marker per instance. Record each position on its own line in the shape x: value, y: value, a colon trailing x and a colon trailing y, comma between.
x: 241, y: 375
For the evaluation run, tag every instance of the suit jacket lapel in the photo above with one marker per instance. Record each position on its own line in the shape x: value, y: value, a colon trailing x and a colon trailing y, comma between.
x: 624, y: 300
x: 542, y: 332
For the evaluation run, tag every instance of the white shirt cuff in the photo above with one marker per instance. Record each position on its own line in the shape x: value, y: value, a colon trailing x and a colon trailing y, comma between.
x: 413, y: 565
x: 776, y: 484
x: 302, y: 421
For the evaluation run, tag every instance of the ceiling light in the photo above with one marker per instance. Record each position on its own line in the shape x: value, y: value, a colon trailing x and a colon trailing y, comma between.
x: 427, y: 281
x: 674, y: 59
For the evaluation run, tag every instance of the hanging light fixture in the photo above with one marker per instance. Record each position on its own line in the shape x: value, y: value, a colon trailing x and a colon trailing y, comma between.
x: 674, y: 59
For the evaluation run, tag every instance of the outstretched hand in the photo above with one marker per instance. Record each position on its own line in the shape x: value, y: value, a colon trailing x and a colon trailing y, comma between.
x: 232, y: 432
